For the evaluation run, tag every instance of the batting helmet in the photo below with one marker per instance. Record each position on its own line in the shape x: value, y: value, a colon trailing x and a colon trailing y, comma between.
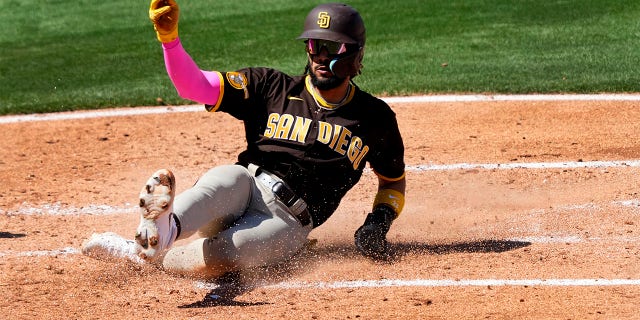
x: 338, y: 23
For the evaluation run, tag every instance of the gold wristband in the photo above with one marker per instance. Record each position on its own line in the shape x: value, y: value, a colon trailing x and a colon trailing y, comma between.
x: 390, y: 197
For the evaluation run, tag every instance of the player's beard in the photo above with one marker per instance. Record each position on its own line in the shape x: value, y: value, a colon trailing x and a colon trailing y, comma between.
x: 324, y: 83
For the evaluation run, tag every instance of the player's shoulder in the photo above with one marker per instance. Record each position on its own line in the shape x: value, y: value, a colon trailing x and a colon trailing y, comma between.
x: 372, y: 103
x: 266, y: 73
x: 271, y: 83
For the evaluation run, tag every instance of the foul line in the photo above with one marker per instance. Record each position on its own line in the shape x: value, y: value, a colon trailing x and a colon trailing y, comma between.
x: 525, y: 165
x: 408, y: 99
x: 40, y: 253
x: 513, y: 97
x: 82, y: 115
x: 457, y: 283
x: 434, y: 283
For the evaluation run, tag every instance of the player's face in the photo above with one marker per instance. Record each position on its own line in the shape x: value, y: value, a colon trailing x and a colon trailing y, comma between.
x: 320, y: 58
x: 320, y: 65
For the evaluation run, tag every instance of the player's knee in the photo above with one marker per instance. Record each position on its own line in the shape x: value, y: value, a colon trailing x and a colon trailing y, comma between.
x: 195, y: 260
x: 229, y: 176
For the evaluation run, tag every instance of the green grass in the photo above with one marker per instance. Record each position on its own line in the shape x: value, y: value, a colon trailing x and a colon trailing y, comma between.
x: 60, y: 55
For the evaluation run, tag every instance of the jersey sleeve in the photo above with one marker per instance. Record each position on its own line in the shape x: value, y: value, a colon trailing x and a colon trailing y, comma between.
x: 387, y: 159
x: 240, y: 91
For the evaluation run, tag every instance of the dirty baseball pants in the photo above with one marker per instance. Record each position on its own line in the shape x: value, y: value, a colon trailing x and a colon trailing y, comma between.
x: 241, y: 223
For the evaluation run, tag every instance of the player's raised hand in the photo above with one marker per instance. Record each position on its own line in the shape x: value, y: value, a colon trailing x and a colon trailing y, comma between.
x: 164, y: 15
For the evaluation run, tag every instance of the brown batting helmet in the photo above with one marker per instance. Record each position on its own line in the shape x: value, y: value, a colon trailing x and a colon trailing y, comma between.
x: 339, y: 23
x: 334, y: 22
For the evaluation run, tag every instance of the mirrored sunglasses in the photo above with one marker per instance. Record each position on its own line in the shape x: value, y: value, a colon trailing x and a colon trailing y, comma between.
x: 314, y: 46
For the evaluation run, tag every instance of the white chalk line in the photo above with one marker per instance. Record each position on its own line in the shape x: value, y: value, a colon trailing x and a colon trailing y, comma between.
x: 58, y: 209
x: 434, y: 283
x: 525, y: 165
x: 408, y: 99
x: 39, y: 253
x: 513, y: 97
x: 456, y: 283
x: 83, y: 115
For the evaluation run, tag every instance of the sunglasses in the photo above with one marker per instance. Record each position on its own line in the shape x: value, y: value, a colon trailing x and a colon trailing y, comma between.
x: 314, y: 46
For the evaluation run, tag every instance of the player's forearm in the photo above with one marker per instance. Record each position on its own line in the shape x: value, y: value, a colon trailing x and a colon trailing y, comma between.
x: 190, y: 82
x: 391, y: 194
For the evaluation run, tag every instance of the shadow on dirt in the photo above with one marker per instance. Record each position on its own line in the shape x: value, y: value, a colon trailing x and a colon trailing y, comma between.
x: 480, y: 246
x: 399, y: 250
x: 232, y: 285
x: 9, y: 235
x: 229, y: 286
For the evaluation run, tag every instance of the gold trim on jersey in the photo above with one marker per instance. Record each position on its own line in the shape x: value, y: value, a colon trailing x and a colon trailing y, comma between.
x: 214, y: 108
x: 322, y: 103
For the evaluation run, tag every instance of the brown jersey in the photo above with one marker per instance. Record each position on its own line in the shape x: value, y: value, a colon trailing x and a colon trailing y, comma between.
x: 318, y: 149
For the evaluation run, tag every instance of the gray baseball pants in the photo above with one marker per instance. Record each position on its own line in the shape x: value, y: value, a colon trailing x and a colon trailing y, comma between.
x: 240, y: 222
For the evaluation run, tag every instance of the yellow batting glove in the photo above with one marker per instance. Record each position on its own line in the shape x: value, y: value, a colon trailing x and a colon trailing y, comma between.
x: 164, y: 15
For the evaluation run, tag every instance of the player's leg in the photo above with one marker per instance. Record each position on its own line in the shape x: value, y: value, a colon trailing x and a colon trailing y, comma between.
x: 157, y: 229
x: 218, y: 198
x: 215, y: 202
x: 266, y: 234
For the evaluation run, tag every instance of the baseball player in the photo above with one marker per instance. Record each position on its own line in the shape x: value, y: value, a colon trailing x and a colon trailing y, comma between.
x: 309, y: 138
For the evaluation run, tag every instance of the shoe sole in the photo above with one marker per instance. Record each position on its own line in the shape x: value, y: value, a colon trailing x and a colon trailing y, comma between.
x: 156, y: 197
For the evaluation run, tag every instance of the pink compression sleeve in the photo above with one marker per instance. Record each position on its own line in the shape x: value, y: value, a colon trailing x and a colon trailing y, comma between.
x: 190, y: 82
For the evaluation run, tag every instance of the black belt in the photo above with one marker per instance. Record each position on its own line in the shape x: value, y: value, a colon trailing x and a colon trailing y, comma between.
x: 297, y: 206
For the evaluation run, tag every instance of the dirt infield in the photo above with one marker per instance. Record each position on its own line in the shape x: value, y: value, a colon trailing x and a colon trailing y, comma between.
x: 556, y: 238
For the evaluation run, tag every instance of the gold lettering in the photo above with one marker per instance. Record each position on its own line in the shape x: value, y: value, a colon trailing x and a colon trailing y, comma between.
x: 284, y: 127
x: 354, y: 148
x: 345, y: 134
x: 300, y: 129
x: 271, y: 125
x: 360, y: 156
x: 324, y: 132
x: 336, y: 135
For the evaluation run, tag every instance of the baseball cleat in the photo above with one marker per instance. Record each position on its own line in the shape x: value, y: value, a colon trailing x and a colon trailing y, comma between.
x: 157, y: 229
x: 110, y: 246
